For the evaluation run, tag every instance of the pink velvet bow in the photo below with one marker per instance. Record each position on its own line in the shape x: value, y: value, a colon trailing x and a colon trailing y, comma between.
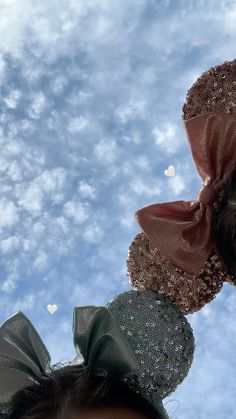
x: 181, y: 230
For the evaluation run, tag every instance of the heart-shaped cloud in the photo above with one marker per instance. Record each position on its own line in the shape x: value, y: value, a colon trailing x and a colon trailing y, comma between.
x: 170, y: 171
x: 52, y: 308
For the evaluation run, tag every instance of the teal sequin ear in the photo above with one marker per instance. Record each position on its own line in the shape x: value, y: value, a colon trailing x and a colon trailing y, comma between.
x: 159, y: 335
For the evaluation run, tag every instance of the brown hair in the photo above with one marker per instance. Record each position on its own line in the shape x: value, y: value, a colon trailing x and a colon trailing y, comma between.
x: 224, y: 225
x: 71, y: 389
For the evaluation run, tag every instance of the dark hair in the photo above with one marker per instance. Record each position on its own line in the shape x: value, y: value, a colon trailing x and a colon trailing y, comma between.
x: 224, y: 225
x: 70, y: 390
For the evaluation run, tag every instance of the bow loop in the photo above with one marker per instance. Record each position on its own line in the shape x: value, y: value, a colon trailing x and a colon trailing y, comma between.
x: 99, y: 339
x: 23, y: 355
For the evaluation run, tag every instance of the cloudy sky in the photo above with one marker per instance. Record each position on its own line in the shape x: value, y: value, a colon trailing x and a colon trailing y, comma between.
x: 90, y: 117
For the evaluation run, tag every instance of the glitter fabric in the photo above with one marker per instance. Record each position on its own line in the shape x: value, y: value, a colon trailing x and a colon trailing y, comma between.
x: 213, y: 91
x: 160, y: 336
x: 149, y: 269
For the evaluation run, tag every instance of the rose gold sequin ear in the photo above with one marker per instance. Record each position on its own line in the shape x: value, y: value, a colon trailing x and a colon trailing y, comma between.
x: 213, y: 91
x: 149, y: 269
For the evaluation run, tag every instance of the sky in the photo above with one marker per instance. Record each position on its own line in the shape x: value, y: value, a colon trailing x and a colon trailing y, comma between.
x: 91, y: 93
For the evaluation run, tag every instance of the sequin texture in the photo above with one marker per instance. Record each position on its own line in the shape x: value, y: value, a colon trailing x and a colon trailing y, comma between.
x: 162, y: 340
x: 148, y: 269
x: 213, y: 91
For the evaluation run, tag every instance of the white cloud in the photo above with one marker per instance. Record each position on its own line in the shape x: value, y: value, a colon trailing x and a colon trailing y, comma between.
x: 145, y: 189
x: 41, y: 261
x: 7, y: 285
x: 32, y: 199
x: 76, y: 211
x: 12, y: 99
x: 37, y: 106
x: 106, y: 152
x: 93, y: 232
x: 42, y: 187
x: 86, y: 191
x: 10, y: 244
x: 77, y: 124
x: 8, y: 213
x: 51, y: 180
x: 58, y: 83
x: 14, y: 171
x: 166, y: 139
x: 135, y: 108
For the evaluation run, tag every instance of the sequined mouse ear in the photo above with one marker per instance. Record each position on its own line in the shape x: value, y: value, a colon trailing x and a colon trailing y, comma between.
x: 160, y: 337
x: 148, y: 269
x: 213, y: 91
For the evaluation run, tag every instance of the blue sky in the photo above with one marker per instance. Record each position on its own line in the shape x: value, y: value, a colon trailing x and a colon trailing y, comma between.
x: 90, y: 117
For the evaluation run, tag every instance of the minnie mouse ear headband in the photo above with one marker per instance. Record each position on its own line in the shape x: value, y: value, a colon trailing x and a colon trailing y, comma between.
x: 140, y: 337
x: 175, y: 253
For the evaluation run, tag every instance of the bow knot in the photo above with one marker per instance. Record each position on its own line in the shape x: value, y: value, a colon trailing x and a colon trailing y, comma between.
x: 207, y: 195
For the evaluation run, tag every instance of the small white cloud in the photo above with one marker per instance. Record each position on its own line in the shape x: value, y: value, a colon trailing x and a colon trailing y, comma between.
x: 44, y: 186
x: 125, y: 199
x: 144, y: 188
x: 85, y: 190
x: 77, y: 124
x: 38, y: 229
x: 106, y: 151
x: 13, y: 98
x: 93, y: 233
x: 8, y: 213
x: 32, y: 199
x: 40, y: 263
x: 177, y: 184
x: 25, y: 303
x: 37, y: 106
x: 142, y: 162
x: 135, y: 108
x: 10, y: 244
x: 51, y: 180
x: 26, y: 126
x: 8, y: 285
x: 76, y: 211
x: 28, y: 245
x: 127, y: 220
x: 14, y: 147
x: 57, y: 85
x: 15, y: 171
x: 166, y: 138
x: 62, y: 224
x: 206, y: 311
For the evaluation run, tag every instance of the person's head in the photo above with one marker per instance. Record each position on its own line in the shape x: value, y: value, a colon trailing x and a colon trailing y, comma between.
x: 111, y: 413
x: 70, y: 392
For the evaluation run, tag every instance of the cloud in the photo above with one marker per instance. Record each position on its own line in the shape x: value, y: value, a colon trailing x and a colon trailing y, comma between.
x: 9, y: 214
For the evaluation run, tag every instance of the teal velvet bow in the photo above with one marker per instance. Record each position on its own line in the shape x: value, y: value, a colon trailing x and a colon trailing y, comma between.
x: 97, y: 336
